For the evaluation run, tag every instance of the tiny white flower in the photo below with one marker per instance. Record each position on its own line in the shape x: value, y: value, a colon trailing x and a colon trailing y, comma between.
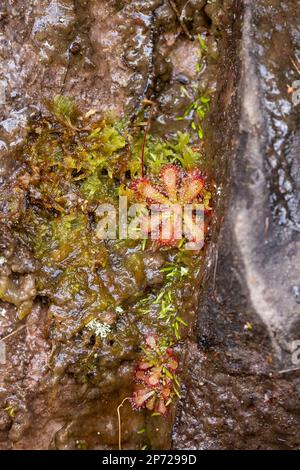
x: 2, y: 312
x: 183, y: 271
x: 2, y: 353
x: 98, y: 328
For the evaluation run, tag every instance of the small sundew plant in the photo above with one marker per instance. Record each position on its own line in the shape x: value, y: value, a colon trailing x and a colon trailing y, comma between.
x: 174, y: 186
x: 155, y: 376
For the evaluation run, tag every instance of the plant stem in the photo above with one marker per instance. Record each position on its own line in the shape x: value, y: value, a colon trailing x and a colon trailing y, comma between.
x: 152, y: 104
x: 119, y: 421
x: 12, y: 333
x: 180, y: 19
x: 297, y: 67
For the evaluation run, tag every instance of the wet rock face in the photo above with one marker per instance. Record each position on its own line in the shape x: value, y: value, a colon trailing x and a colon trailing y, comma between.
x: 242, y: 377
x: 272, y: 267
x: 110, y: 55
x: 270, y: 203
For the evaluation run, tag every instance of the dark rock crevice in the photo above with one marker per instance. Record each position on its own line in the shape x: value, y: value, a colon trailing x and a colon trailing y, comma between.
x: 236, y: 388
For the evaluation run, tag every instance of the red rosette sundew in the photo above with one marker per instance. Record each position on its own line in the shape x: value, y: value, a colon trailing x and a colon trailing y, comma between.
x: 174, y: 186
x: 154, y: 377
